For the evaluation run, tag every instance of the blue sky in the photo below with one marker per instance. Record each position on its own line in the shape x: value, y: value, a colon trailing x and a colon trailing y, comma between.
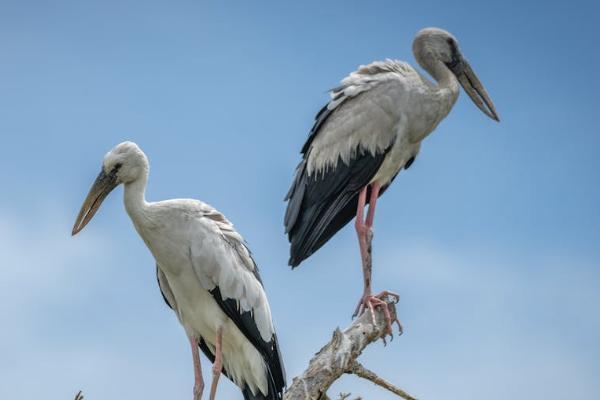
x: 491, y: 238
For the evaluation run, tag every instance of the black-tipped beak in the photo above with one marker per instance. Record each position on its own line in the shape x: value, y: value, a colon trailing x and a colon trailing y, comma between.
x: 469, y: 81
x: 102, y: 186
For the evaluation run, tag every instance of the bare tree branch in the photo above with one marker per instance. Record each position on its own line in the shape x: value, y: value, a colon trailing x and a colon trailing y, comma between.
x: 346, y: 396
x: 79, y: 396
x: 339, y: 356
x: 358, y: 370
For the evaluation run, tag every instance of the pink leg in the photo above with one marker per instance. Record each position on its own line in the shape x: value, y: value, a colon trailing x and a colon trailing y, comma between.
x: 361, y: 231
x: 198, y: 381
x: 364, y: 229
x: 217, y: 365
x: 375, y: 188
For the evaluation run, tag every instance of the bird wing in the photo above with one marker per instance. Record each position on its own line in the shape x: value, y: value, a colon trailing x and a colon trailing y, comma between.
x: 224, y: 266
x: 165, y: 289
x: 346, y: 146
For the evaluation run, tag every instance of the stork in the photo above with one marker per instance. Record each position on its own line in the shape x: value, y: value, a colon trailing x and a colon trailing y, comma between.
x: 370, y: 130
x: 206, y: 274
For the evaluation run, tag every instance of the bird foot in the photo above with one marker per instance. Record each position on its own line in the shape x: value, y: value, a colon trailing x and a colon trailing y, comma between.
x: 369, y: 302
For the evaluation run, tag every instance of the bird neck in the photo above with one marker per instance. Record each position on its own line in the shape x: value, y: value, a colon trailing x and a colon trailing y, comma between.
x: 445, y: 92
x: 436, y: 68
x: 135, y: 197
x: 447, y: 84
x: 447, y: 89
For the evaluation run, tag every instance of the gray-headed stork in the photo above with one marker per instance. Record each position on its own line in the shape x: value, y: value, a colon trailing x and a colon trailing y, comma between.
x: 370, y: 130
x: 206, y: 274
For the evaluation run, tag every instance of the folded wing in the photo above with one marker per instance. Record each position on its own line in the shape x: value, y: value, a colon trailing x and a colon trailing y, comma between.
x: 346, y: 147
x: 225, y: 267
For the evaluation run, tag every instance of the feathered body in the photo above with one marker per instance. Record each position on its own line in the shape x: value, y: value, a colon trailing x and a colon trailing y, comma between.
x: 201, y: 263
x: 206, y: 275
x: 371, y: 128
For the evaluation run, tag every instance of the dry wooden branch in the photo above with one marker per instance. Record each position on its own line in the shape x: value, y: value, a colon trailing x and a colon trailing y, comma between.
x: 358, y: 370
x: 79, y: 396
x: 338, y: 356
x: 346, y: 396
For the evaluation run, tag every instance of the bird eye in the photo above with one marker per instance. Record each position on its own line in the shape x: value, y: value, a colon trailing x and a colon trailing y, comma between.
x: 452, y: 43
x: 453, y: 49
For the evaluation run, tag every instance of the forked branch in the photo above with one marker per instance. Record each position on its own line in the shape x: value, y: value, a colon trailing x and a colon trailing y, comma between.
x: 339, y: 356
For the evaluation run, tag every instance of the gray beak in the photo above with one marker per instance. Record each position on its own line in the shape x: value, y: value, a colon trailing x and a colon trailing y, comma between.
x: 103, y: 185
x: 469, y: 81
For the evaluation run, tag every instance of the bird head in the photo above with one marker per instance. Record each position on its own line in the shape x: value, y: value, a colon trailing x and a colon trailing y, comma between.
x: 125, y: 163
x: 433, y: 45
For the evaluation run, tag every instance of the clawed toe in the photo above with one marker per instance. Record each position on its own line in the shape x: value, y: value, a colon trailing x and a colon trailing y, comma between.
x: 370, y: 302
x: 384, y: 295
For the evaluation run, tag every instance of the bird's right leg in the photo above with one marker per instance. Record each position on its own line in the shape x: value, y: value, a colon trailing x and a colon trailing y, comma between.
x: 364, y: 230
x: 198, y: 381
x: 217, y: 364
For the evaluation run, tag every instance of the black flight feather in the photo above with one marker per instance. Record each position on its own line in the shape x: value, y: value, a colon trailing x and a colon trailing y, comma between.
x: 321, y: 204
x: 246, y: 392
x: 269, y: 350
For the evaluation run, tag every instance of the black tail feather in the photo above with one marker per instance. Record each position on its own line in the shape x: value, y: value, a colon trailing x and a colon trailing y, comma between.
x: 274, y: 393
x: 276, y: 383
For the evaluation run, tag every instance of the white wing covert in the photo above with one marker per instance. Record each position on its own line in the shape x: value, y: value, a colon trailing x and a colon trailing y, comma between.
x: 224, y: 267
x: 362, y: 116
x: 222, y: 261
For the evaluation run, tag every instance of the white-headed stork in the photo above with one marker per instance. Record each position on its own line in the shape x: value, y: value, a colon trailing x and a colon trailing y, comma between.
x: 206, y: 274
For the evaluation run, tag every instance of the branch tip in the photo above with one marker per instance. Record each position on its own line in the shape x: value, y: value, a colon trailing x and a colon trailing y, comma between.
x: 358, y: 370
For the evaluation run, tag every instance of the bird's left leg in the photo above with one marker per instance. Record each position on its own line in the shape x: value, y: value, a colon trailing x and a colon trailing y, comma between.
x: 365, y: 250
x: 218, y: 364
x: 198, y: 381
x: 365, y: 237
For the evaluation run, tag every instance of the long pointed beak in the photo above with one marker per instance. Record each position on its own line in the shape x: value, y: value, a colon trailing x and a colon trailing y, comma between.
x: 102, y: 186
x: 469, y: 81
